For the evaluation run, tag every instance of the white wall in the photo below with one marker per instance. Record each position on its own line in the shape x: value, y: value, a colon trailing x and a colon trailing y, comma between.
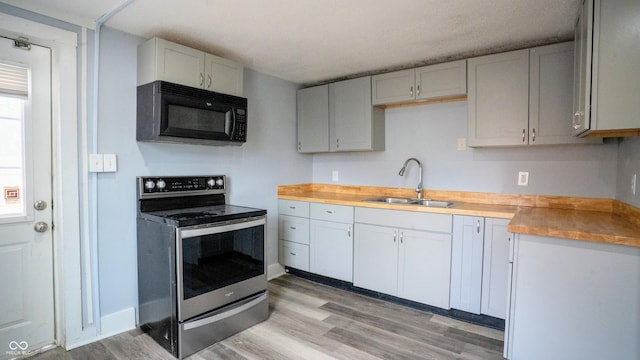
x: 254, y: 170
x: 429, y: 134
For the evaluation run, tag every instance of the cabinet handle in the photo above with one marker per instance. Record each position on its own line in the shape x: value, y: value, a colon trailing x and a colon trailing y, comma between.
x: 209, y: 81
x: 329, y: 212
x: 411, y: 91
x: 395, y: 234
x: 201, y: 79
x: 337, y: 143
x: 299, y: 145
x: 524, y: 133
x: 478, y: 226
x: 349, y: 232
x: 292, y: 227
x: 577, y: 124
x: 294, y: 254
x: 401, y: 236
x: 533, y: 133
x: 292, y: 207
x: 418, y: 91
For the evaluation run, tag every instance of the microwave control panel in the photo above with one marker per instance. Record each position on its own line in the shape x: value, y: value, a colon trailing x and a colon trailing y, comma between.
x: 240, y: 132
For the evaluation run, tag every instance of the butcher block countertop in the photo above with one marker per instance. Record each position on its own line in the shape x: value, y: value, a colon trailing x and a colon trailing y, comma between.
x: 587, y: 219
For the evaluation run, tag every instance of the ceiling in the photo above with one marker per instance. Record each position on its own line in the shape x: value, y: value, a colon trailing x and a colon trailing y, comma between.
x: 311, y: 41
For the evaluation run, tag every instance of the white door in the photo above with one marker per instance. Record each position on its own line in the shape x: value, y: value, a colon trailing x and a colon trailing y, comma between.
x: 26, y: 242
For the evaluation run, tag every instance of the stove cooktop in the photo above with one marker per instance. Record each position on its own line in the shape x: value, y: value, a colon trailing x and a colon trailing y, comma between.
x: 202, y: 215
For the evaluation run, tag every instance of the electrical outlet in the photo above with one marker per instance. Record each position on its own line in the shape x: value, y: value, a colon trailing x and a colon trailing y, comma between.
x: 96, y: 163
x: 462, y: 144
x: 523, y: 178
x: 110, y: 163
x: 334, y: 175
x: 633, y: 183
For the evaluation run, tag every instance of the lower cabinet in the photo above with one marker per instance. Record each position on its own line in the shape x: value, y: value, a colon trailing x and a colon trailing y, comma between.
x: 480, y: 265
x: 294, y: 255
x: 293, y: 234
x: 331, y: 249
x: 410, y: 263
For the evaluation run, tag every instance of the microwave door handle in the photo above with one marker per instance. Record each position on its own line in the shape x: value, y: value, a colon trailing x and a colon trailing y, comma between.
x: 231, y: 122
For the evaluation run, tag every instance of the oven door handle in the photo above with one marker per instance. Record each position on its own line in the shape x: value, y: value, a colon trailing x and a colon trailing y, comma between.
x: 186, y: 233
x: 226, y: 314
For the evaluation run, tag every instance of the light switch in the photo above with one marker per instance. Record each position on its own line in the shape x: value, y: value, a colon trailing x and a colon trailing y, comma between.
x: 96, y: 163
x: 523, y: 178
x: 110, y: 163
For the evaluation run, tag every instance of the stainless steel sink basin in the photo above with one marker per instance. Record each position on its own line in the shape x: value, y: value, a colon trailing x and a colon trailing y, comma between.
x: 390, y: 200
x: 411, y: 201
x: 433, y: 203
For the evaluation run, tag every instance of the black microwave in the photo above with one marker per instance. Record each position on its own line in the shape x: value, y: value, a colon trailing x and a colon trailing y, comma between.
x: 169, y: 112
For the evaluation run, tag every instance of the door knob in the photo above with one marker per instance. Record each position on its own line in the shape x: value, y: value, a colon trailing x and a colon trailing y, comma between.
x: 40, y: 226
x: 40, y: 205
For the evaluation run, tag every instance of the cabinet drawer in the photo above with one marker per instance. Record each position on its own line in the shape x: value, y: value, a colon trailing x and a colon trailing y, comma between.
x: 292, y: 228
x: 328, y: 212
x: 293, y: 208
x: 294, y: 255
x: 405, y: 219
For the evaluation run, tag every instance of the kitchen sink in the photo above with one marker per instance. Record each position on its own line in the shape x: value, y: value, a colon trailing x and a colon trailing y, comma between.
x: 410, y: 201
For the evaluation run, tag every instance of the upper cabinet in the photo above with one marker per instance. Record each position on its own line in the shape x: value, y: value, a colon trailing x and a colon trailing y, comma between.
x: 607, y: 64
x: 354, y: 124
x: 420, y: 84
x: 521, y: 97
x: 339, y: 117
x: 313, y: 119
x: 160, y: 59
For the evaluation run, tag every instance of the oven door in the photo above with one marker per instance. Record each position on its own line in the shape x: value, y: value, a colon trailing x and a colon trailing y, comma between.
x: 219, y: 264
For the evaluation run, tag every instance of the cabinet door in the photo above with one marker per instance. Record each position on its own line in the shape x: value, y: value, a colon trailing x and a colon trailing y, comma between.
x: 313, y: 119
x: 392, y: 88
x: 294, y: 255
x: 424, y: 267
x: 179, y: 64
x: 498, y: 101
x: 495, y: 268
x: 551, y: 95
x: 375, y: 258
x: 331, y: 250
x: 441, y: 80
x: 223, y: 75
x: 466, y: 263
x: 354, y: 125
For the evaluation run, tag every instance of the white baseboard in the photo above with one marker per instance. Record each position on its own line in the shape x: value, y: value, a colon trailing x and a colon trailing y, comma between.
x: 274, y: 271
x: 111, y: 324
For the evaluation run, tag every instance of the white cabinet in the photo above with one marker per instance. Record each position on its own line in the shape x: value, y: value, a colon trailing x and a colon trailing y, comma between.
x: 466, y: 263
x: 293, y: 234
x: 354, y: 124
x: 522, y: 97
x: 313, y: 119
x: 480, y: 265
x: 331, y: 241
x: 160, y: 59
x: 495, y: 268
x: 405, y: 254
x: 498, y: 101
x: 573, y: 299
x: 339, y: 117
x: 424, y: 83
x: 607, y: 69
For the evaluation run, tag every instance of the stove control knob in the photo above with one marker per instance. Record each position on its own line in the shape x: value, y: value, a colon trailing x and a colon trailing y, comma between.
x: 211, y: 182
x: 149, y: 184
x: 220, y: 182
x: 161, y: 184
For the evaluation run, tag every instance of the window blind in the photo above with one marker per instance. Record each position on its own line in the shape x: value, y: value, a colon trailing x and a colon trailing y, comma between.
x: 14, y: 80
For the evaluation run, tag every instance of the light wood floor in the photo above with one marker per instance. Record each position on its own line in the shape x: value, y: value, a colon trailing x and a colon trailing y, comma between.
x: 313, y: 321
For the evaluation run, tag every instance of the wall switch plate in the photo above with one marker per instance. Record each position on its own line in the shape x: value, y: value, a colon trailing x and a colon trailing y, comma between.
x: 462, y: 144
x: 334, y: 175
x: 96, y: 163
x: 523, y: 178
x: 110, y: 163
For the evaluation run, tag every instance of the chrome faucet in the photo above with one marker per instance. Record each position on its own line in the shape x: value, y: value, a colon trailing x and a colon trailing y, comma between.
x: 404, y: 167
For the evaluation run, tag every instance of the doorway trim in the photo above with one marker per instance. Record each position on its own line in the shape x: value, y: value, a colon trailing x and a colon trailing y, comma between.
x: 66, y: 109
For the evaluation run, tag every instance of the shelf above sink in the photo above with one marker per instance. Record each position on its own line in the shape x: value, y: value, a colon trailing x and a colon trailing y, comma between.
x: 410, y: 201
